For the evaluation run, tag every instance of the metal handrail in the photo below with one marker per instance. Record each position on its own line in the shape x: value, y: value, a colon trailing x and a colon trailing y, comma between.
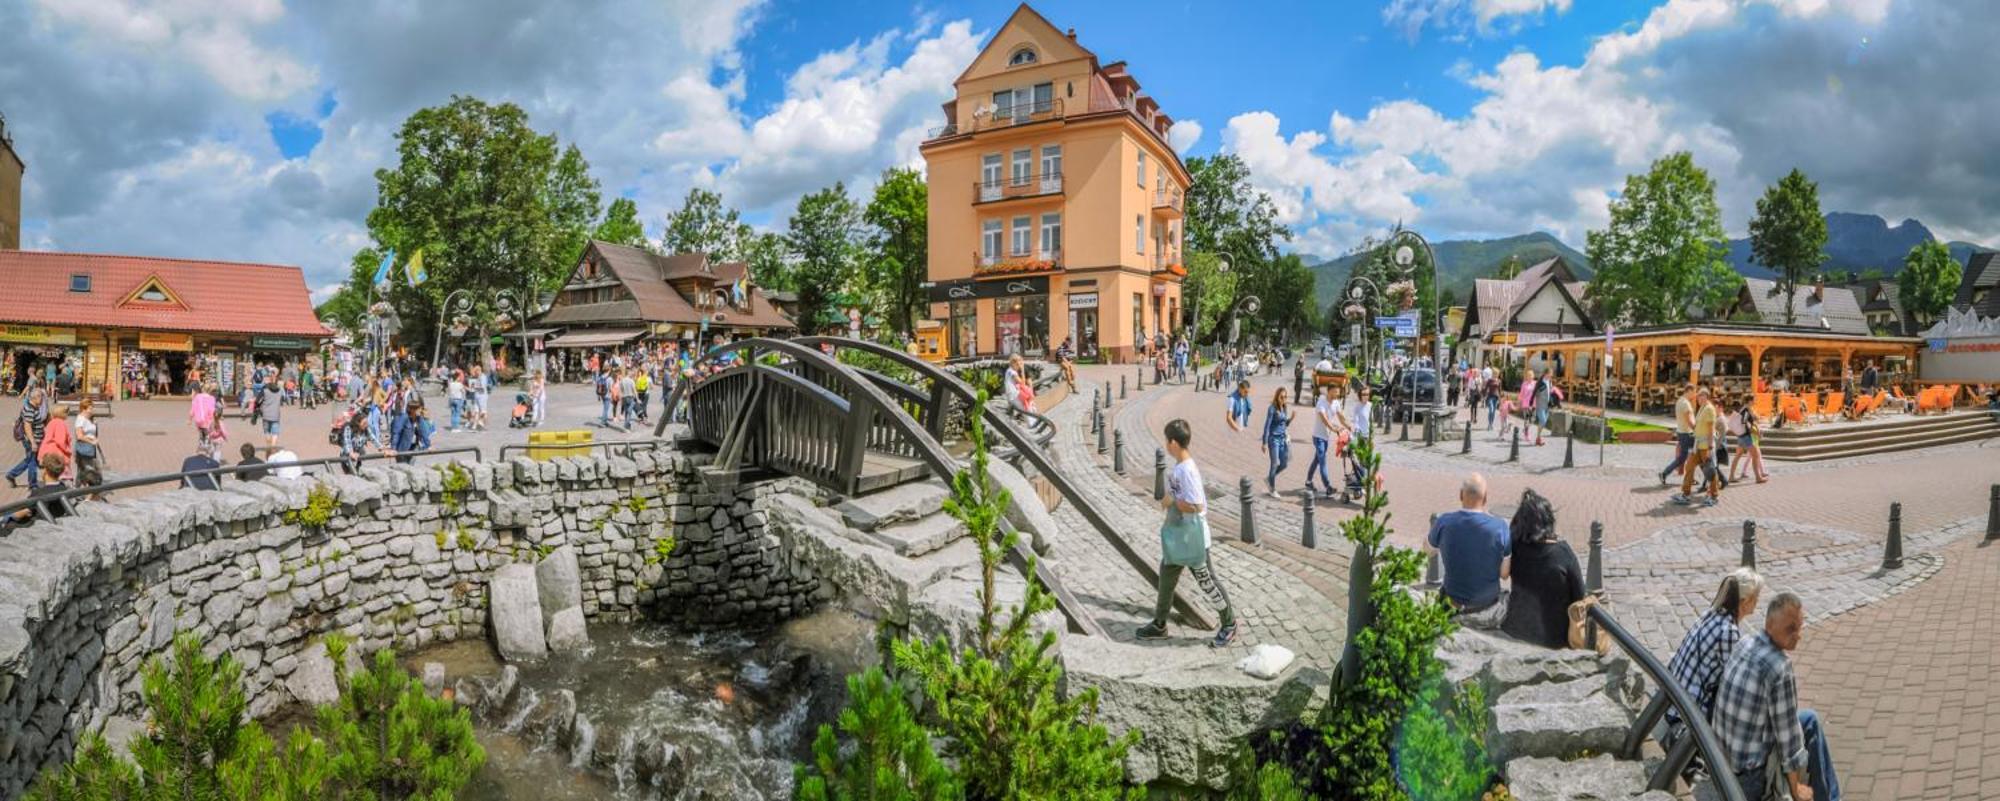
x: 927, y: 449
x: 1704, y: 735
x: 1007, y: 187
x: 943, y: 381
x: 627, y: 444
x: 38, y: 502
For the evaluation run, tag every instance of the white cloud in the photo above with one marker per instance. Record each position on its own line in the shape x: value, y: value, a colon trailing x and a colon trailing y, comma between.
x: 217, y: 36
x: 1184, y: 135
x: 1455, y: 16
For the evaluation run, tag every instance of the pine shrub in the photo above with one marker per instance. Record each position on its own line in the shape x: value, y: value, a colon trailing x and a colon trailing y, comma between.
x: 890, y: 758
x: 388, y: 739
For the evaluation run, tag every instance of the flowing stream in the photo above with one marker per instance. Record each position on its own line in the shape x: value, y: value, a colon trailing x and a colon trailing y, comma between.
x: 649, y: 712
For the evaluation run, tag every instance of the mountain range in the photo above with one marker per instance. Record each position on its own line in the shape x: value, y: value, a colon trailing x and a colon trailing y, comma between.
x: 1854, y: 243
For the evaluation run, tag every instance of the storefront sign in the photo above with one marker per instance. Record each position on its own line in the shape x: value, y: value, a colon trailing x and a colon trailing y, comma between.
x: 279, y: 343
x: 974, y: 290
x: 1083, y: 301
x: 157, y: 340
x: 37, y: 334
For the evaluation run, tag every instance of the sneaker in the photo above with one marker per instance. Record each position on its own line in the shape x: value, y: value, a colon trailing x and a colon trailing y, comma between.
x: 1274, y: 494
x: 1663, y: 479
x: 1223, y: 636
x: 1709, y: 502
x: 1152, y: 631
x: 1683, y: 500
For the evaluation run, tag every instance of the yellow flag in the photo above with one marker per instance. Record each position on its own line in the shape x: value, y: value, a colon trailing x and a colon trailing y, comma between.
x: 415, y: 267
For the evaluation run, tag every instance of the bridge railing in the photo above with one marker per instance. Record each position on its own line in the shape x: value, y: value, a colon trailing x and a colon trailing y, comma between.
x: 946, y: 388
x: 1700, y: 735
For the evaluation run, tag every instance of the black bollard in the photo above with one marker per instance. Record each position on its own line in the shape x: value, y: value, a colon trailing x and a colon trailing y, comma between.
x: 1430, y: 430
x: 1159, y: 473
x: 1750, y: 544
x: 1107, y: 393
x: 1594, y: 574
x: 1095, y: 417
x: 1121, y: 387
x: 1569, y: 443
x: 1100, y: 432
x: 1249, y: 516
x: 1467, y: 447
x: 1118, y: 452
x: 1993, y: 515
x: 1514, y: 450
x: 1405, y: 436
x: 1140, y: 369
x: 1892, y: 553
x: 1307, y: 536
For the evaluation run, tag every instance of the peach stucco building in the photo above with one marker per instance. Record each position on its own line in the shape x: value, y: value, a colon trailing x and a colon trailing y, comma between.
x: 1055, y: 202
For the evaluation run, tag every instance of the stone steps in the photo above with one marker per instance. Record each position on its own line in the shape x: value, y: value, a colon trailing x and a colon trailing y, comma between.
x: 921, y: 536
x: 898, y: 504
x: 1598, y: 778
x: 1887, y: 436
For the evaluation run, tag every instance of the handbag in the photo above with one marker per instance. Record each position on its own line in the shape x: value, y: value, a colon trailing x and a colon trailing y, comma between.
x: 1579, y: 613
x: 86, y: 450
x: 1183, y: 538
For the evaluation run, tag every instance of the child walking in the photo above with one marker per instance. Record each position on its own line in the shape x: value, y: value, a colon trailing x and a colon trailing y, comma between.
x: 1184, y: 541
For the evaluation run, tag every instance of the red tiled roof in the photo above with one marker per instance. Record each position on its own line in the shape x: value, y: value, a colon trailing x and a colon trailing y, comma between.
x: 645, y: 275
x: 218, y: 296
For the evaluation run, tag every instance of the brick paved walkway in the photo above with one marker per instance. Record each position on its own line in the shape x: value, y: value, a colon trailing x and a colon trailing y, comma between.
x: 1899, y: 662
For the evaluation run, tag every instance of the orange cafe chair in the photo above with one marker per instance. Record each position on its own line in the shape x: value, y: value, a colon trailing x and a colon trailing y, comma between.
x: 1761, y: 405
x: 1835, y: 401
x: 1789, y: 406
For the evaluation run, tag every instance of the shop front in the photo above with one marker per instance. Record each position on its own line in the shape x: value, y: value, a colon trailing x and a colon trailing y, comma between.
x: 1082, y: 302
x: 1011, y: 315
x: 33, y: 350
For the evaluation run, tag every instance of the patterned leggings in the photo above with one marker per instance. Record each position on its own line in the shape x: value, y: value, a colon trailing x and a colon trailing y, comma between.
x: 1204, y: 575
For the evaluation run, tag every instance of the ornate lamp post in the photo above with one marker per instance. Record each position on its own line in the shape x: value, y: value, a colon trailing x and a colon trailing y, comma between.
x: 1355, y: 296
x: 1406, y: 257
x: 459, y: 305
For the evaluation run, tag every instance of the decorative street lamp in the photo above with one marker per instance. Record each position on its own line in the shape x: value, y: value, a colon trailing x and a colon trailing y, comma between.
x: 1406, y: 257
x: 459, y: 305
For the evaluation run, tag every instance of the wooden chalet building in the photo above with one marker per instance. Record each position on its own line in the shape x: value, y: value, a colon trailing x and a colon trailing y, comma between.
x: 619, y: 295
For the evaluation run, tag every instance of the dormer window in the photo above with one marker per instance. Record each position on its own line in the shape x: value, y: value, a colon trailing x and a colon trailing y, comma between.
x: 1023, y: 56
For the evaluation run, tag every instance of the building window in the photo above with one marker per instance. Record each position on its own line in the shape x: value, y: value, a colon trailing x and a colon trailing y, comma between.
x: 1003, y: 104
x: 989, y: 239
x: 1025, y: 55
x: 1023, y: 235
x: 1052, y: 237
x: 1024, y: 163
x: 1142, y: 169
x: 79, y: 282
x: 1138, y: 320
x: 1045, y: 96
x: 1139, y: 234
x: 1052, y: 168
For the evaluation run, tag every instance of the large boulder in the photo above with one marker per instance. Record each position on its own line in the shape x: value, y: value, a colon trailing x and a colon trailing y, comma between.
x: 1599, y: 778
x: 1558, y: 719
x: 1024, y: 507
x: 559, y: 587
x: 516, y: 612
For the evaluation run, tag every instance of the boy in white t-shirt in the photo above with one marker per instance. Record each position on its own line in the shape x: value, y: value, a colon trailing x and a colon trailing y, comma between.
x: 1186, y: 495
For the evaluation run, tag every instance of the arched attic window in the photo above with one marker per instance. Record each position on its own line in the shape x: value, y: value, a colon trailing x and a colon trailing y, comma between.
x: 1025, y: 55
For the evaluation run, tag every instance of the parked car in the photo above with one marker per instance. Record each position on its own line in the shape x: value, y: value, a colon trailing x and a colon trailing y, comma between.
x: 1410, y: 388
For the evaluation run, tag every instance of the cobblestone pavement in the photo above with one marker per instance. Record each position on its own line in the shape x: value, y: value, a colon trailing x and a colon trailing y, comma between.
x: 1898, y: 661
x: 143, y: 437
x: 1279, y: 596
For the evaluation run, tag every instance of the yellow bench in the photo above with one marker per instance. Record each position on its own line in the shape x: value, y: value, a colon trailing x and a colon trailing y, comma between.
x: 546, y: 445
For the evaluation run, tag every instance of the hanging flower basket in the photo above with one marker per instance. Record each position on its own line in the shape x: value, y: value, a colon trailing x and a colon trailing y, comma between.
x: 1404, y: 293
x: 1354, y: 311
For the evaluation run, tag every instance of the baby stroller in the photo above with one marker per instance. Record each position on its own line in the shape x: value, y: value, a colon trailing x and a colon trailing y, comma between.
x: 521, y: 417
x: 1353, y: 478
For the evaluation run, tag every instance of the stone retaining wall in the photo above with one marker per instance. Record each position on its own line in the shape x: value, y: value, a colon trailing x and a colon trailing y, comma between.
x: 402, y: 561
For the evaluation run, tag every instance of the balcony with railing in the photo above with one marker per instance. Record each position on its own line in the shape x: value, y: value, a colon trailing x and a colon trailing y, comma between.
x: 1031, y: 185
x: 1010, y: 115
x: 1028, y: 263
x: 1170, y: 263
x: 1167, y: 203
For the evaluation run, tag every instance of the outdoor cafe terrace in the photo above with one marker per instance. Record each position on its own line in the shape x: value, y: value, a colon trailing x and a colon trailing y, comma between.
x: 1653, y: 364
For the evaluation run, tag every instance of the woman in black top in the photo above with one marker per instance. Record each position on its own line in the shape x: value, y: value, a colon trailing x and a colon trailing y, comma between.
x: 1546, y: 577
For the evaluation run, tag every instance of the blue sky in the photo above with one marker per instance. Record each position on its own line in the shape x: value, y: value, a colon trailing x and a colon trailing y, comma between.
x: 251, y: 129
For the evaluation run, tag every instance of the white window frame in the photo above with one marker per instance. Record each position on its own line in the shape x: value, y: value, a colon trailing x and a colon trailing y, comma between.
x: 1003, y: 109
x: 1023, y: 164
x: 989, y: 176
x: 1142, y: 169
x: 991, y: 241
x: 1139, y: 234
x: 1024, y: 237
x: 1051, y: 168
x: 1051, y: 236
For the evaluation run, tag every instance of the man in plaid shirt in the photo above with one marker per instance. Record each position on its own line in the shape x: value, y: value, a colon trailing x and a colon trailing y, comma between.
x: 1757, y: 715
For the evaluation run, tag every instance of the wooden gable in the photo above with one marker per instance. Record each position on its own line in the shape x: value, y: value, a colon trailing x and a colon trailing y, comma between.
x: 153, y: 293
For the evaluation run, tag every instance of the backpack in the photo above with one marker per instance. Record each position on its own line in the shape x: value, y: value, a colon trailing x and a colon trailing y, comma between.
x: 600, y: 386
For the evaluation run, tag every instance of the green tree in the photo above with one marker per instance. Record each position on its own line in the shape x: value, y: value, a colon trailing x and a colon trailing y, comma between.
x: 1509, y: 267
x: 492, y: 204
x: 823, y: 238
x: 387, y: 738
x: 891, y: 758
x: 1788, y: 234
x: 704, y: 225
x: 768, y: 257
x: 1231, y: 219
x: 899, y: 248
x: 621, y: 225
x: 1217, y: 292
x: 1286, y: 289
x: 1662, y: 253
x: 348, y: 305
x: 1929, y: 281
x: 998, y: 702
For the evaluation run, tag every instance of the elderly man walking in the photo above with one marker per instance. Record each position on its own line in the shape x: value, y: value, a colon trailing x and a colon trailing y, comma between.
x: 1767, y: 739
